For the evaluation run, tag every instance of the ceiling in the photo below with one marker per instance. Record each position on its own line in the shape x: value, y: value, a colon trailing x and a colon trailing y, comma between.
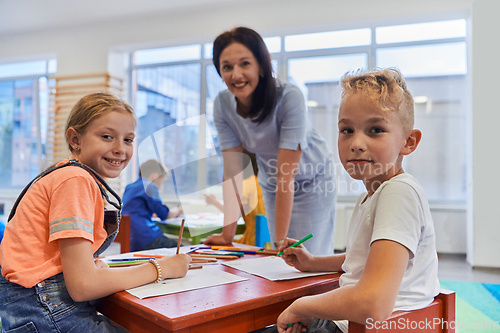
x: 22, y: 16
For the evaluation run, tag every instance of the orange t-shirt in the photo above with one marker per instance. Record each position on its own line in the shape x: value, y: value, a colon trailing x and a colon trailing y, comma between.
x: 66, y: 203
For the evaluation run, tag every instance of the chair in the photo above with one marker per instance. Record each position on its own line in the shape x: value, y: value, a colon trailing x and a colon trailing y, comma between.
x: 439, y: 316
x: 261, y: 231
x: 123, y: 236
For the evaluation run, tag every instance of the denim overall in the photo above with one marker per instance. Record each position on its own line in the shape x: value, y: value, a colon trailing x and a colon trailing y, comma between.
x: 48, y: 307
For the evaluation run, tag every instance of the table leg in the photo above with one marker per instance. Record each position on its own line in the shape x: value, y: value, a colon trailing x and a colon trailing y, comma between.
x: 195, y: 240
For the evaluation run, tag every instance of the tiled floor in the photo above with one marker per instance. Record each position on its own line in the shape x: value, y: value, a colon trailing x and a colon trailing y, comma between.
x: 455, y: 267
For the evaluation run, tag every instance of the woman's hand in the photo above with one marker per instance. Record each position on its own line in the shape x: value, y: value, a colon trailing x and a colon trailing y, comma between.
x: 297, y: 257
x: 289, y: 316
x: 216, y: 239
x: 174, y: 266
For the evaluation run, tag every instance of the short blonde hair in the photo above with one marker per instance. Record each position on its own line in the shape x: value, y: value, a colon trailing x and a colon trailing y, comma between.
x: 386, y: 87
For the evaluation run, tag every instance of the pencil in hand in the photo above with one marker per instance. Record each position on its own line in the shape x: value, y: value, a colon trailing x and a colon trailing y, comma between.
x: 297, y: 243
x: 180, y: 236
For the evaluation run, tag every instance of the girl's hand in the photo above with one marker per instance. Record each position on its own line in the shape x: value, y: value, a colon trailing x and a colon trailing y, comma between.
x: 298, y: 257
x: 174, y: 266
x: 100, y: 264
x: 299, y: 322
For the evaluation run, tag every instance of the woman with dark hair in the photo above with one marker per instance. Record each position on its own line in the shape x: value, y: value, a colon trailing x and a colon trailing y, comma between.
x: 269, y: 118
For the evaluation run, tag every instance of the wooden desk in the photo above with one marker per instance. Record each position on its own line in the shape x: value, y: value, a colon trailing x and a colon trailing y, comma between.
x: 235, y: 307
x: 196, y: 233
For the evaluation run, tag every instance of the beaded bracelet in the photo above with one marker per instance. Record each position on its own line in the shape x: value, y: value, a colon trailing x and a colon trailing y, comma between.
x: 158, y: 269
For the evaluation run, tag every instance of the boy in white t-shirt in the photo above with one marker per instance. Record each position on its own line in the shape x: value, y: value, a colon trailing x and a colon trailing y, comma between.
x: 390, y: 262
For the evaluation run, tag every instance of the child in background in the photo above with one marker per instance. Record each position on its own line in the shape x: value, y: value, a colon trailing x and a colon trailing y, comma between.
x: 141, y: 200
x: 57, y: 228
x: 390, y: 262
x: 248, y: 199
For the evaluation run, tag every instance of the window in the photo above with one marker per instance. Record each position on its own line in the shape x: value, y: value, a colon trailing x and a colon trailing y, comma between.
x: 24, y: 103
x: 431, y: 55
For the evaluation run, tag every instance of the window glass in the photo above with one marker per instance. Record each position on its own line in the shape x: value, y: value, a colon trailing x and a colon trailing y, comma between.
x: 421, y: 31
x: 425, y: 60
x: 18, y: 133
x: 303, y: 71
x: 43, y: 98
x: 167, y: 54
x: 168, y: 106
x: 273, y: 44
x: 38, y: 67
x: 439, y: 161
x: 214, y: 86
x: 318, y: 78
x: 326, y: 40
x: 208, y: 49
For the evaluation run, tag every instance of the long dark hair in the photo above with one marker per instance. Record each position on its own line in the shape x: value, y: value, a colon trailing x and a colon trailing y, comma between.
x: 265, y: 94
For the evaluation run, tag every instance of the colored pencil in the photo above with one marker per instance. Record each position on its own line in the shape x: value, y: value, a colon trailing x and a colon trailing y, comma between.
x: 180, y: 236
x: 297, y: 243
x: 195, y: 267
x: 131, y: 259
x: 203, y: 260
x: 126, y: 263
x: 154, y: 256
x: 196, y: 255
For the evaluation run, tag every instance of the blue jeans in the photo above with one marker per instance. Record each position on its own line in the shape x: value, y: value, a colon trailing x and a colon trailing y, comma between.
x: 47, y: 307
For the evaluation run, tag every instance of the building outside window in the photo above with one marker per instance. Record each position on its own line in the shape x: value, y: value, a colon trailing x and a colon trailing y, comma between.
x: 24, y: 103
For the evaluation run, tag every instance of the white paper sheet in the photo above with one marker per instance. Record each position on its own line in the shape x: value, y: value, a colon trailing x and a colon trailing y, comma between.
x: 159, y: 252
x: 271, y: 267
x: 194, y: 279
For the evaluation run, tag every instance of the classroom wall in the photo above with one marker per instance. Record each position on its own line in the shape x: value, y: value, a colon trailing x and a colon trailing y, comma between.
x: 100, y: 47
x: 484, y: 218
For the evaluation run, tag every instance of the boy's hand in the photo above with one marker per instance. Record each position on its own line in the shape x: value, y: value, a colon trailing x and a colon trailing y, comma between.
x: 298, y: 257
x: 299, y: 322
x: 174, y: 266
x: 177, y: 211
x: 216, y: 239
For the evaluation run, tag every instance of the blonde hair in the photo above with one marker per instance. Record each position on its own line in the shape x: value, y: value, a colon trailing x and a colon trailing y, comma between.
x: 386, y: 87
x: 91, y: 107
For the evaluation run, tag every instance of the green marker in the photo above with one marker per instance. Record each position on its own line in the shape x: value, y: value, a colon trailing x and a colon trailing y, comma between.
x: 128, y: 262
x: 290, y: 325
x: 298, y: 243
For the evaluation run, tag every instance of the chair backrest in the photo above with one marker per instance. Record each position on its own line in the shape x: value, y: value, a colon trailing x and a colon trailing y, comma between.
x: 123, y: 236
x: 261, y: 231
x: 439, y: 316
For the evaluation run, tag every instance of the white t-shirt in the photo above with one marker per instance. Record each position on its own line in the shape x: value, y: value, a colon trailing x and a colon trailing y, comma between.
x: 397, y: 211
